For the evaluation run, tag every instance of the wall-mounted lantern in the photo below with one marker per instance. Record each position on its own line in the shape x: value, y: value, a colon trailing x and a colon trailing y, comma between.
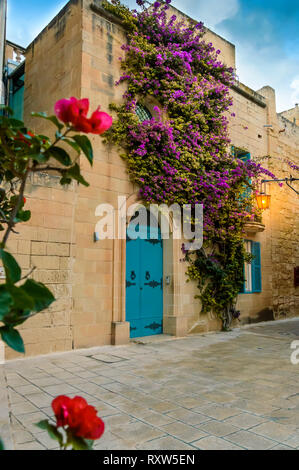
x: 263, y: 200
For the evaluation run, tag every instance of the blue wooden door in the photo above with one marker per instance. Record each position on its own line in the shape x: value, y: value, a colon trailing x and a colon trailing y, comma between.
x: 144, y: 283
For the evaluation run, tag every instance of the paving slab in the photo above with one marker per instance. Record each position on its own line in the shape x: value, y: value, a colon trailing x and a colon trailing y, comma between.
x: 215, y: 443
x: 251, y: 441
x: 236, y: 390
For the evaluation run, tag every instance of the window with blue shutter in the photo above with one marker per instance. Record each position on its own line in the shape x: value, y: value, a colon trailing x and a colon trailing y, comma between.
x: 253, y: 270
x: 256, y: 268
x: 245, y: 157
x: 241, y: 154
x: 16, y: 95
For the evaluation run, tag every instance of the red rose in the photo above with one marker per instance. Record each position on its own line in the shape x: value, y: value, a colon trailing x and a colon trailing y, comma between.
x: 81, y: 418
x: 68, y: 111
x: 75, y: 111
x: 82, y: 124
x: 60, y: 407
x: 76, y: 406
x: 90, y: 426
x: 100, y: 122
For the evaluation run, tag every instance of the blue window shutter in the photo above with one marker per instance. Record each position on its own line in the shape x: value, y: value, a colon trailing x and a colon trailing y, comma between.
x: 245, y: 157
x: 256, y: 267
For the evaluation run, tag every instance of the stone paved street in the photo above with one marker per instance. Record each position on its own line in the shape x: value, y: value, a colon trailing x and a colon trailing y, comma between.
x: 234, y: 390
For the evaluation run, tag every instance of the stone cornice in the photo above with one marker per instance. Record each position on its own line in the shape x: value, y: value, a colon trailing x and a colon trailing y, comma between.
x: 249, y: 94
x: 107, y: 15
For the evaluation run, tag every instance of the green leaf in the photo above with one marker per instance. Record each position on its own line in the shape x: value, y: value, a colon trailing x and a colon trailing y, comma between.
x: 41, y: 295
x: 55, y: 434
x: 8, y: 175
x: 12, y: 338
x: 21, y: 300
x: 60, y: 155
x: 5, y: 302
x: 1, y: 445
x: 89, y: 443
x: 56, y: 122
x: 4, y: 122
x: 52, y: 431
x: 6, y: 109
x: 16, y: 123
x: 17, y: 318
x: 41, y: 114
x: 40, y: 157
x: 78, y: 443
x: 43, y: 137
x: 12, y: 269
x: 85, y: 145
x: 75, y: 173
x: 52, y: 119
x: 23, y: 216
x: 65, y: 181
x: 72, y: 144
x: 43, y: 425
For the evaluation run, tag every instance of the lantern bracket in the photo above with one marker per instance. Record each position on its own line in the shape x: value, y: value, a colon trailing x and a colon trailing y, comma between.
x: 288, y: 182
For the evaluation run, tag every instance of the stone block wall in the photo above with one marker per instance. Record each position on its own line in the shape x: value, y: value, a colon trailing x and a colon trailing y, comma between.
x: 47, y: 241
x: 93, y: 269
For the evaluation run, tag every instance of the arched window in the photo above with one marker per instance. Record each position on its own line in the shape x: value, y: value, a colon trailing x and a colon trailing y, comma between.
x: 143, y: 113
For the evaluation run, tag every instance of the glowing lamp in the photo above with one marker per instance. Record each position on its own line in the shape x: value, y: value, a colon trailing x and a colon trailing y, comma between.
x: 263, y: 201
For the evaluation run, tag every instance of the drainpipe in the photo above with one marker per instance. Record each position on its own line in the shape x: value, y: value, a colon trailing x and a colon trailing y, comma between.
x: 3, y: 14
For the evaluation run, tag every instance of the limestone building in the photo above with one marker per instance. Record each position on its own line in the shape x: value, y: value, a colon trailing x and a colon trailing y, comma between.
x: 77, y: 54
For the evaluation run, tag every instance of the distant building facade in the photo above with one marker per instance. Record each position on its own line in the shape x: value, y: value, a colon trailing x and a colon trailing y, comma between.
x: 77, y: 54
x: 13, y: 78
x: 292, y: 114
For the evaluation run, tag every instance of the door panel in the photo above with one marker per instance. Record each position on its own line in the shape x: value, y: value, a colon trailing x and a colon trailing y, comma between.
x: 133, y: 280
x: 144, y: 284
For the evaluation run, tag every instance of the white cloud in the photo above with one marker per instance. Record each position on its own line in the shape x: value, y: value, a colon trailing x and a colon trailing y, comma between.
x: 211, y: 12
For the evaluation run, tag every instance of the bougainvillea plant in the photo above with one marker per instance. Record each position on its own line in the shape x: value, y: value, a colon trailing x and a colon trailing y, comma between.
x: 183, y: 154
x: 77, y: 424
x: 23, y: 153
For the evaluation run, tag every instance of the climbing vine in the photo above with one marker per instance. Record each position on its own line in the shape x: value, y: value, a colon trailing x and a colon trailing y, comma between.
x: 182, y: 154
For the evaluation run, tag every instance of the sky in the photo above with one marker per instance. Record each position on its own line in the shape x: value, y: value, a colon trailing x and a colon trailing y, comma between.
x: 265, y: 32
